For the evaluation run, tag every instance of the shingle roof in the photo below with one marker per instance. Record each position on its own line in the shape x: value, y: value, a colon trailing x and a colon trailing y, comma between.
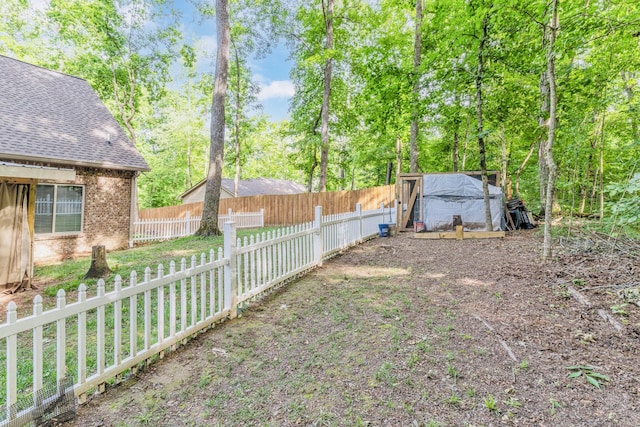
x: 258, y: 186
x: 53, y: 117
x: 255, y: 187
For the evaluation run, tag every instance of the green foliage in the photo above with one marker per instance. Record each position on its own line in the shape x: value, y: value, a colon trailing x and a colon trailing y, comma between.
x: 175, y: 145
x: 454, y: 399
x: 69, y: 274
x: 513, y: 402
x: 385, y: 374
x: 592, y: 377
x: 619, y: 309
x: 109, y: 43
x: 490, y: 403
x: 625, y: 199
x: 453, y: 372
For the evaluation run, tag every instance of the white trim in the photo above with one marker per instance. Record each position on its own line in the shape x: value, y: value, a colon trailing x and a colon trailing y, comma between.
x: 133, y: 208
x: 15, y: 170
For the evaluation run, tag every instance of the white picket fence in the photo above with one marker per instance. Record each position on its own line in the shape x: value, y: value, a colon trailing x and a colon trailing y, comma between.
x: 154, y: 229
x: 121, y: 329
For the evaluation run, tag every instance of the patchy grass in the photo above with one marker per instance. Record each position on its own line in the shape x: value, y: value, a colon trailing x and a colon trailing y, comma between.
x: 69, y: 274
x: 374, y: 338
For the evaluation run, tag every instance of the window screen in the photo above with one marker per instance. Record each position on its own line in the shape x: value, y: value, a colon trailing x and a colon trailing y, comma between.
x: 58, y: 208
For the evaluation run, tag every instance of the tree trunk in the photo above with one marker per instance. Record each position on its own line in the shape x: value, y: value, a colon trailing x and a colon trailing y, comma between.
x: 187, y: 178
x: 99, y: 267
x: 312, y: 171
x: 456, y: 151
x: 602, y: 168
x: 466, y: 144
x: 505, y: 159
x: 326, y: 95
x: 209, y: 222
x: 543, y: 169
x: 551, y: 76
x: 126, y: 104
x: 236, y: 127
x: 398, y: 156
x: 417, y: 50
x: 587, y: 173
x: 481, y: 145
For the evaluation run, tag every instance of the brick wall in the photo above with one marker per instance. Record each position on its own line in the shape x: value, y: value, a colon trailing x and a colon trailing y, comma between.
x: 107, y: 198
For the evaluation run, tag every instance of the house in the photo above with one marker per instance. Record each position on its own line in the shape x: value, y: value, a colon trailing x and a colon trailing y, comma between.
x: 246, y: 187
x: 67, y: 170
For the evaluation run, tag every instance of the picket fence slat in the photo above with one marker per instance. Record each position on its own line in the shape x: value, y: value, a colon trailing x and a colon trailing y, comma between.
x: 154, y: 229
x: 197, y: 295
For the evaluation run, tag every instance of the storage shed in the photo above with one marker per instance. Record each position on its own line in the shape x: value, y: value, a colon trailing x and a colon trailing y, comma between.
x: 447, y: 195
x: 439, y: 201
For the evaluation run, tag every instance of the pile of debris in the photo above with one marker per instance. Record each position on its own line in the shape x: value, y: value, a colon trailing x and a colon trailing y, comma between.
x: 517, y: 216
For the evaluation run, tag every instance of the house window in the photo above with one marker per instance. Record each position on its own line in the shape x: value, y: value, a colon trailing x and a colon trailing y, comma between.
x: 59, y: 208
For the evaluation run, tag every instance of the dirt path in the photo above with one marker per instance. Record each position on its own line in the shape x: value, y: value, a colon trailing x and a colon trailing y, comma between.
x: 404, y: 332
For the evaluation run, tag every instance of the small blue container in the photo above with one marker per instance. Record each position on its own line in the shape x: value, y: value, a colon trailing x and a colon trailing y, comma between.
x: 384, y: 230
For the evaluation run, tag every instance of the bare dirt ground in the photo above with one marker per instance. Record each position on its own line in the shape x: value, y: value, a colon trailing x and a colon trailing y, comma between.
x: 408, y: 332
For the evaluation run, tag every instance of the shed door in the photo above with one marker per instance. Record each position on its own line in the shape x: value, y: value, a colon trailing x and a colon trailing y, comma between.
x: 15, y: 239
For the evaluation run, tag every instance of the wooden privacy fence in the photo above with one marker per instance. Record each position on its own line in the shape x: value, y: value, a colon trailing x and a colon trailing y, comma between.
x: 154, y: 229
x: 102, y: 337
x: 286, y: 209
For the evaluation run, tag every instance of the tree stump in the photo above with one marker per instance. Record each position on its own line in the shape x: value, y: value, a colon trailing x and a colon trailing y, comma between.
x: 99, y: 267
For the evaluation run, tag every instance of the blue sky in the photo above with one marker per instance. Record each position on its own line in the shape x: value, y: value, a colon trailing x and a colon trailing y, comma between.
x: 271, y: 73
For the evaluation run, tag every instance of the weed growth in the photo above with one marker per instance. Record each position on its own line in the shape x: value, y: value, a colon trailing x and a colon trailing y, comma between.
x: 589, y: 374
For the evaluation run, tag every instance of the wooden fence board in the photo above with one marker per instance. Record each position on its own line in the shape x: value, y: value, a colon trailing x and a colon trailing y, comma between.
x: 286, y: 209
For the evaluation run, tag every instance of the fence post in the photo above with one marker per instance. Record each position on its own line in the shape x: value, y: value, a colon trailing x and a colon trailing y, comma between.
x: 382, y: 212
x: 230, y: 282
x: 318, y: 236
x: 187, y: 219
x: 359, y: 214
x: 261, y: 217
x: 12, y: 361
x: 396, y: 207
x: 230, y: 215
x: 61, y: 338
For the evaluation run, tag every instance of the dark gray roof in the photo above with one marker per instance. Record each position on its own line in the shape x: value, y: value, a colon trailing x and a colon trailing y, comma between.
x: 255, y: 187
x: 259, y: 186
x: 47, y: 116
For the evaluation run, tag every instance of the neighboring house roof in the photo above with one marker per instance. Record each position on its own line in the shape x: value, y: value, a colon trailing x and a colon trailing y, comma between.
x: 254, y: 187
x: 47, y: 116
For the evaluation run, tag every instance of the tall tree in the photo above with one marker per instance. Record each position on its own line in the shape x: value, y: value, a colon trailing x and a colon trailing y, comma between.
x: 484, y: 39
x: 327, y: 11
x: 242, y: 93
x: 417, y: 57
x: 551, y: 79
x: 209, y: 222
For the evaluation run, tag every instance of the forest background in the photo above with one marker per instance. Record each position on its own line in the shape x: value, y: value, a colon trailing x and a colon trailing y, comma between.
x: 415, y: 86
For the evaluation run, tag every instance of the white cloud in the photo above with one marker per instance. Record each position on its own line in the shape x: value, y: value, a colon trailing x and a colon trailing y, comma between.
x: 206, y: 45
x: 276, y: 89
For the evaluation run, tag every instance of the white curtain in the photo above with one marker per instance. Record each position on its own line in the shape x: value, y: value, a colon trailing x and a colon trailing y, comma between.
x: 15, y: 239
